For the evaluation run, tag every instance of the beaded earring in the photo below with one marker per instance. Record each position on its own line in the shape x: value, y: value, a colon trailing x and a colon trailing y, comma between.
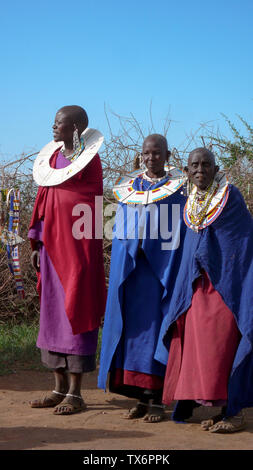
x: 188, y: 187
x: 76, y: 141
x: 142, y: 165
x: 136, y: 165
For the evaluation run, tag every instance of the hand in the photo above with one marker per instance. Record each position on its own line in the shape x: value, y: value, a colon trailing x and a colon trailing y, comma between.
x: 35, y: 260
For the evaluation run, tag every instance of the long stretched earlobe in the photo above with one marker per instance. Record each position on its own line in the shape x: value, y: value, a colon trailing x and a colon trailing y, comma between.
x: 137, y: 162
x: 76, y: 141
x: 188, y: 187
x: 188, y: 182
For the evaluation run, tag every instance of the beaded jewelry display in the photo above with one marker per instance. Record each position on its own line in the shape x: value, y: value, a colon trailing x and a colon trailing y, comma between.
x: 203, y: 207
x: 124, y: 192
x: 9, y: 236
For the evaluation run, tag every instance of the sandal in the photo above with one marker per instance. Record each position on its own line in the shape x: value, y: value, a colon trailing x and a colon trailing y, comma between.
x: 49, y: 401
x: 229, y: 425
x: 208, y: 423
x: 155, y: 414
x: 69, y: 406
x: 138, y: 411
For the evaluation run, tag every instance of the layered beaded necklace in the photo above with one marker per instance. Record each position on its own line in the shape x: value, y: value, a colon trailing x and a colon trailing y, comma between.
x: 76, y: 153
x: 201, y: 201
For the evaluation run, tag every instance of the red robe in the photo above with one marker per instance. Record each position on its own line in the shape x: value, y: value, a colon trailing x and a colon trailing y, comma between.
x: 78, y: 263
x: 202, y: 350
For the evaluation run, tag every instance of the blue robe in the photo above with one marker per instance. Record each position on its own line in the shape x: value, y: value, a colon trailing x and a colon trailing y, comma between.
x: 138, y: 286
x: 224, y: 250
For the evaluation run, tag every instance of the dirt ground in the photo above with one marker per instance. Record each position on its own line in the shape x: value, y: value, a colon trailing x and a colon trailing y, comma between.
x: 100, y: 427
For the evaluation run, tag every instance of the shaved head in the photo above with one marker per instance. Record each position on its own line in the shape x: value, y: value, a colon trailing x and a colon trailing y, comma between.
x: 160, y: 139
x: 203, y: 151
x: 76, y: 115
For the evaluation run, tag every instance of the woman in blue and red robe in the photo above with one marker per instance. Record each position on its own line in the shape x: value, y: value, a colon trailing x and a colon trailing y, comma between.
x: 142, y: 275
x: 208, y: 330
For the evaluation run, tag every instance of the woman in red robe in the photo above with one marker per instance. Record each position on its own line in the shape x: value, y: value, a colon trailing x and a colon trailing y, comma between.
x: 71, y: 279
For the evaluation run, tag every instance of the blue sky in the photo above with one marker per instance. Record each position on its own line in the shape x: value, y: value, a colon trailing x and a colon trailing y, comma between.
x: 191, y: 58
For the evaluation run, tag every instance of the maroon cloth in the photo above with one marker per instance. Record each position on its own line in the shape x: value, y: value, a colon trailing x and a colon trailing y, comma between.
x: 78, y: 263
x: 120, y: 377
x: 55, y: 333
x: 202, y: 350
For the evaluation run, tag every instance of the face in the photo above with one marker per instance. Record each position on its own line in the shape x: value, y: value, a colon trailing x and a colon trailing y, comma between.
x: 201, y: 169
x: 63, y: 128
x: 154, y: 155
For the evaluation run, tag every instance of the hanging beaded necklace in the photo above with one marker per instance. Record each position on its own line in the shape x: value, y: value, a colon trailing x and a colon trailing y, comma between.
x: 151, y: 180
x: 76, y: 153
x: 200, y: 204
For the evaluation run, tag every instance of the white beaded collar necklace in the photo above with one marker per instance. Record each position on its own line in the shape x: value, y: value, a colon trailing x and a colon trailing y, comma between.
x: 125, y: 193
x: 45, y: 175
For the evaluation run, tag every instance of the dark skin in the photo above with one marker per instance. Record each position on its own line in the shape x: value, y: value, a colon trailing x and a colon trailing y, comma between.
x: 63, y: 129
x: 155, y: 153
x: 201, y: 168
x: 67, y: 119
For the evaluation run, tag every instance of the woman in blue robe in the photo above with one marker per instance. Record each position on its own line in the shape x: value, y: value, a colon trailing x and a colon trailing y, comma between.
x: 146, y: 251
x: 208, y: 329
